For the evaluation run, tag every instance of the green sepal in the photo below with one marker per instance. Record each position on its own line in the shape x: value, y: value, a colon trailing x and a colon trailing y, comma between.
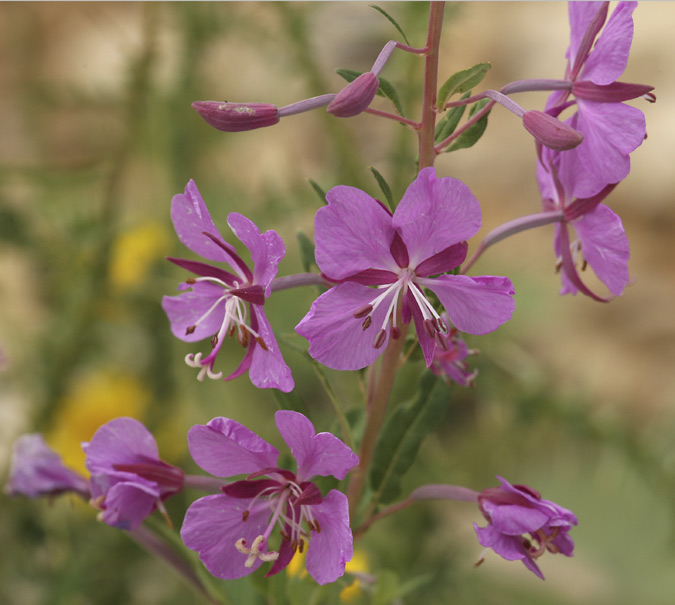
x: 391, y: 20
x: 470, y: 136
x: 306, y: 251
x: 386, y: 88
x: 403, y: 433
x: 461, y: 82
x: 385, y: 188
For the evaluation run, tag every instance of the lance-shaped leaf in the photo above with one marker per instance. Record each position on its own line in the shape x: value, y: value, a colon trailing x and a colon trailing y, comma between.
x: 461, y: 82
x: 384, y: 186
x: 385, y: 90
x: 306, y: 251
x: 391, y: 20
x: 402, y: 435
x: 471, y: 135
x: 318, y: 190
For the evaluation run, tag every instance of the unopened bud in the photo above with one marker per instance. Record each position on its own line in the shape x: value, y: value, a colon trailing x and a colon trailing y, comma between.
x: 355, y: 97
x: 550, y: 131
x: 237, y: 117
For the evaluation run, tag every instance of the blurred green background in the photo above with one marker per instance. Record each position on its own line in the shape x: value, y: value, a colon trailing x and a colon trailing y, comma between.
x: 573, y: 397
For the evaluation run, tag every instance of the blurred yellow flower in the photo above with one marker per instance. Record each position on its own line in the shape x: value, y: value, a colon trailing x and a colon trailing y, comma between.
x: 92, y: 401
x: 133, y: 253
x: 358, y: 564
x: 296, y: 568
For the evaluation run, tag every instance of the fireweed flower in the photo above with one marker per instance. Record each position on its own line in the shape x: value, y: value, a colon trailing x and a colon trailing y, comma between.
x: 360, y: 244
x: 220, y: 303
x: 231, y: 531
x: 128, y: 479
x: 450, y: 363
x: 37, y: 470
x: 522, y: 525
x: 600, y: 241
x: 611, y: 128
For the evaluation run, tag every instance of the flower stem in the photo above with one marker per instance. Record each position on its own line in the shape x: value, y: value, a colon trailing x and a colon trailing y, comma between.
x: 297, y: 280
x: 207, y: 484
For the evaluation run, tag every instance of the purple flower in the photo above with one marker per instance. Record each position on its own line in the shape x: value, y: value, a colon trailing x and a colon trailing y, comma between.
x: 37, y: 470
x: 231, y: 531
x: 611, y: 128
x: 220, y: 303
x: 128, y: 480
x: 359, y: 244
x: 523, y: 526
x: 600, y: 242
x: 450, y: 363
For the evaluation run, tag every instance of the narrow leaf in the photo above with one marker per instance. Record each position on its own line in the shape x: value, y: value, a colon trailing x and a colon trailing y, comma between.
x: 461, y: 82
x: 391, y: 20
x: 402, y: 435
x: 447, y: 124
x: 384, y: 186
x: 319, y: 191
x: 470, y: 136
x: 385, y: 90
x: 306, y: 251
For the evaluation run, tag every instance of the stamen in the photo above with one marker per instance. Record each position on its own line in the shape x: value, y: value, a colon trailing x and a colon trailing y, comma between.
x: 165, y: 514
x: 395, y: 333
x: 253, y: 553
x: 366, y: 322
x: 190, y: 330
x: 363, y: 311
x: 380, y: 338
x: 262, y: 343
x: 245, y: 515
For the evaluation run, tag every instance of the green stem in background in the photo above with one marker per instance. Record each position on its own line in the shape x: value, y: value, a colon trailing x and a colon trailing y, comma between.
x: 344, y: 423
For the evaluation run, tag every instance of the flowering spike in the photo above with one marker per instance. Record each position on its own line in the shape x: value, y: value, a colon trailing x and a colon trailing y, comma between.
x: 237, y: 117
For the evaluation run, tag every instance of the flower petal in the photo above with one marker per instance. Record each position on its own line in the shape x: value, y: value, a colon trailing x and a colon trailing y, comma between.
x: 609, y: 56
x: 323, y: 454
x: 476, y: 305
x: 191, y: 219
x: 352, y: 233
x: 331, y: 548
x: 514, y: 520
x: 226, y: 448
x: 127, y: 504
x: 213, y: 525
x: 581, y: 15
x: 190, y: 307
x: 605, y: 246
x: 435, y: 214
x: 268, y: 368
x: 336, y: 338
x: 267, y: 249
x: 120, y: 441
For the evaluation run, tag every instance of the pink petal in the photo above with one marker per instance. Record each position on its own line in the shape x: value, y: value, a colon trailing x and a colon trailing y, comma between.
x: 609, y: 56
x: 226, y: 448
x: 323, y: 454
x: 331, y: 548
x: 581, y: 14
x: 336, y: 338
x: 127, y: 504
x: 267, y: 249
x: 353, y: 233
x: 268, y: 368
x: 476, y: 305
x: 187, y: 308
x: 120, y: 441
x: 434, y: 214
x: 213, y: 525
x: 605, y: 246
x: 515, y: 520
x: 191, y: 219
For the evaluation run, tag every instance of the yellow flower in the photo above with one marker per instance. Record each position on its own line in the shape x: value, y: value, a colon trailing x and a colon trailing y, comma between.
x: 92, y: 401
x: 359, y: 563
x: 133, y: 253
x: 296, y: 568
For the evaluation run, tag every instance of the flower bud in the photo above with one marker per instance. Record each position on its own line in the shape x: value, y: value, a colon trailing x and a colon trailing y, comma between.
x: 550, y: 131
x: 616, y: 92
x: 237, y: 117
x: 355, y: 97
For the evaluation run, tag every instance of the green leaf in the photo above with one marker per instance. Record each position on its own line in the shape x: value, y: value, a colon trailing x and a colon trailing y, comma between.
x: 289, y: 401
x: 319, y: 191
x: 470, y: 136
x: 384, y: 186
x: 306, y: 251
x: 402, y: 435
x: 386, y: 88
x: 461, y: 82
x: 446, y: 126
x: 391, y: 20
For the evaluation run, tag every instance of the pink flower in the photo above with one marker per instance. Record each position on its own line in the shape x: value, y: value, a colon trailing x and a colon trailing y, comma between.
x: 220, y: 303
x: 450, y: 363
x: 381, y: 261
x: 231, y: 531
x: 523, y: 526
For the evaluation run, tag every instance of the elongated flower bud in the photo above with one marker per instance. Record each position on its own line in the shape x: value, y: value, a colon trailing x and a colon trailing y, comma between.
x: 550, y: 131
x: 237, y: 117
x: 355, y: 97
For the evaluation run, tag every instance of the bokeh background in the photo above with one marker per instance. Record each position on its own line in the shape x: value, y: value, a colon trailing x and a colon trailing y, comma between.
x: 573, y: 397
